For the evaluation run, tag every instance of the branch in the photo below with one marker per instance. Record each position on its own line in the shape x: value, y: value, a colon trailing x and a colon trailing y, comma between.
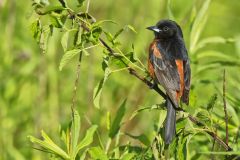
x: 134, y: 73
x: 212, y: 134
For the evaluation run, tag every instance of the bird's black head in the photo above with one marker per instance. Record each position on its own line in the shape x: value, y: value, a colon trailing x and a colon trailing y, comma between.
x: 166, y: 29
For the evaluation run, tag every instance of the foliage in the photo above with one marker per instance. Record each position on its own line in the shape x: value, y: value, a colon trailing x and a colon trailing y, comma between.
x: 132, y: 133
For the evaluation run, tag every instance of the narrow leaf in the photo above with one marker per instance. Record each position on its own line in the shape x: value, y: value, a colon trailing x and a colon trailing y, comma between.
x: 48, y: 144
x: 97, y: 153
x: 75, y: 129
x: 98, y: 89
x: 131, y: 28
x: 87, y: 140
x: 64, y: 41
x: 68, y: 56
x: 117, y: 121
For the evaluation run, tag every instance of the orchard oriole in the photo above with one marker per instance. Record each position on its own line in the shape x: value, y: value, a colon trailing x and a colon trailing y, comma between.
x: 169, y: 66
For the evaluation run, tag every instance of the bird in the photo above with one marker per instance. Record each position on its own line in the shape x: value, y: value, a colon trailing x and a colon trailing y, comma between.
x: 169, y: 66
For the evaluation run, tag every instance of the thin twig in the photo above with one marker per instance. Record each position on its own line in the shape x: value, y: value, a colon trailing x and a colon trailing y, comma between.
x: 225, y: 105
x: 213, y: 145
x: 76, y: 83
x: 212, y: 134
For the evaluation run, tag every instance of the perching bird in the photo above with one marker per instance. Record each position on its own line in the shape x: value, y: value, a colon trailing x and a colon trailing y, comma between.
x: 169, y: 66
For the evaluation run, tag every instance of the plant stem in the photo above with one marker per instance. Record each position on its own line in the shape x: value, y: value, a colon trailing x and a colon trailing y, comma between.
x: 76, y: 84
x: 225, y: 104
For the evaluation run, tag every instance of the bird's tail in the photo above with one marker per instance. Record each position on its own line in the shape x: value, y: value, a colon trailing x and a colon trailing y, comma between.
x: 170, y: 125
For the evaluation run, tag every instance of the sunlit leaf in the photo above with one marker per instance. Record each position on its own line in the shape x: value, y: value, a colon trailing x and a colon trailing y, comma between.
x: 64, y: 41
x: 128, y: 156
x: 87, y: 140
x: 75, y: 129
x: 131, y: 28
x: 98, y: 23
x: 97, y: 153
x: 46, y: 33
x: 144, y: 109
x: 48, y: 144
x: 98, y: 89
x: 68, y: 56
x: 36, y: 30
x: 182, y: 147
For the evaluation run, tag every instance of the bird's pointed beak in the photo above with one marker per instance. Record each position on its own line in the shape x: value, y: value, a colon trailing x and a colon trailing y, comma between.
x: 154, y: 29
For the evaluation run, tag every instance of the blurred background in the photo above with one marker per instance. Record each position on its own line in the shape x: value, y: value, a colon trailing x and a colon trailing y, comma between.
x: 35, y: 95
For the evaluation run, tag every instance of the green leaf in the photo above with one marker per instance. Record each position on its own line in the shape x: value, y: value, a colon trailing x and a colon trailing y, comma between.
x: 94, y: 35
x: 211, y: 102
x: 99, y: 23
x: 121, y: 61
x: 65, y: 137
x: 109, y: 37
x: 48, y: 144
x: 203, y: 116
x: 97, y: 153
x: 56, y: 21
x: 142, y: 138
x: 117, y: 33
x: 198, y: 25
x: 131, y: 28
x: 43, y: 43
x: 80, y: 3
x: 64, y: 41
x: 36, y: 30
x: 128, y: 156
x: 75, y: 129
x: 117, y: 120
x: 155, y: 106
x: 181, y: 123
x: 68, y: 56
x: 49, y: 9
x: 182, y: 147
x: 98, y: 89
x: 87, y: 140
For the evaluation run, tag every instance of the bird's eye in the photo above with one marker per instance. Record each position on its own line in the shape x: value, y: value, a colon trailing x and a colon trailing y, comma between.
x: 165, y: 28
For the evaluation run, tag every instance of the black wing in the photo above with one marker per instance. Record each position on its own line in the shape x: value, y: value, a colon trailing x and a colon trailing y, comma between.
x: 166, y: 74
